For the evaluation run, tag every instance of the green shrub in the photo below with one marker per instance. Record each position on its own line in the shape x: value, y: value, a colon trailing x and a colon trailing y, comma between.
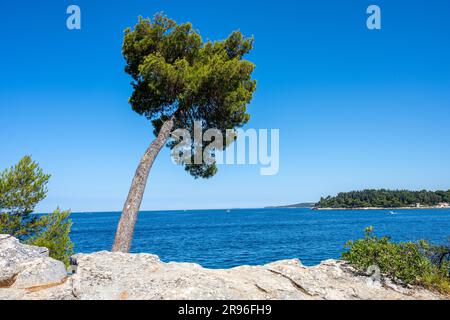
x: 406, y: 262
x: 55, y: 235
x: 22, y: 187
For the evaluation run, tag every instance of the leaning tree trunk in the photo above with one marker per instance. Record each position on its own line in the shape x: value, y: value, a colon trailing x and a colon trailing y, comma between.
x: 125, y: 229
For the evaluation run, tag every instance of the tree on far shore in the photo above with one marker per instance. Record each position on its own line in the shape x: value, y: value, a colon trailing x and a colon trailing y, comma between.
x: 385, y: 199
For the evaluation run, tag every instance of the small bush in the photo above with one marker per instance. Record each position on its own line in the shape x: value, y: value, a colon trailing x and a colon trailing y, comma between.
x: 55, y: 236
x: 407, y: 262
x: 22, y: 187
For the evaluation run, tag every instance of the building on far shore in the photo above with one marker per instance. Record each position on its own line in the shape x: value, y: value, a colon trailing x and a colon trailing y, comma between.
x: 439, y: 205
x: 443, y: 205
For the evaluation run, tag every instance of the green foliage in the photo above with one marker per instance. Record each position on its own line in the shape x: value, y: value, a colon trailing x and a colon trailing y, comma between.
x: 55, y: 235
x: 439, y: 255
x: 384, y: 199
x: 177, y: 75
x: 408, y: 262
x: 22, y: 187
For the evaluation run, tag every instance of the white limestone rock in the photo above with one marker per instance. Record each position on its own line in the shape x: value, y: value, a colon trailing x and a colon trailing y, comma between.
x: 122, y: 276
x: 23, y: 266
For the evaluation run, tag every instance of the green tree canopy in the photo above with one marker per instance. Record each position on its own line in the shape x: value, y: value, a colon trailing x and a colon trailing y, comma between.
x: 22, y: 187
x: 177, y: 75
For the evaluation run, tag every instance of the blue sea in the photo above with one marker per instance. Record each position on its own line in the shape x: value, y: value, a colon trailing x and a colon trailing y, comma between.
x: 222, y: 239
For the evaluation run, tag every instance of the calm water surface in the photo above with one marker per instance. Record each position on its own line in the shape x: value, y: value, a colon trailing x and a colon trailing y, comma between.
x: 221, y: 239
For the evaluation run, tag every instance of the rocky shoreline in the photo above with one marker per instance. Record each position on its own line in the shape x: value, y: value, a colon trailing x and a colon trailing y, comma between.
x: 26, y: 272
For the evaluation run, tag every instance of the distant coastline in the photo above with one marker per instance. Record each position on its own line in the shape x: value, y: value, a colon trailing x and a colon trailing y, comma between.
x: 309, y: 205
x: 380, y: 208
x: 383, y: 199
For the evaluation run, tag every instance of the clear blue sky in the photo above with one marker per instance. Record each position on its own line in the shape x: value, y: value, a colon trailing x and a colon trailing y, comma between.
x: 355, y: 108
